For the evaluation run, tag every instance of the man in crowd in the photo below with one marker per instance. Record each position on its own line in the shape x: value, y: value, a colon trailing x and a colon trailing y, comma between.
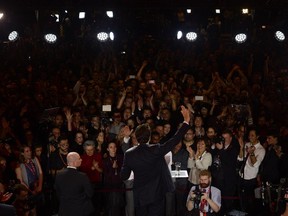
x: 152, y: 178
x: 251, y: 154
x: 74, y: 189
x: 204, y: 198
x: 269, y: 169
x: 224, y: 168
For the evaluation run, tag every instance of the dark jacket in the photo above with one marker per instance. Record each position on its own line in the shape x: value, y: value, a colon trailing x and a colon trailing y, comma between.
x: 152, y: 178
x: 74, y: 191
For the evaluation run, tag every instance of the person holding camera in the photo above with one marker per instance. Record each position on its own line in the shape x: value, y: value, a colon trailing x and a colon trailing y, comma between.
x: 251, y: 155
x: 224, y: 168
x: 204, y: 199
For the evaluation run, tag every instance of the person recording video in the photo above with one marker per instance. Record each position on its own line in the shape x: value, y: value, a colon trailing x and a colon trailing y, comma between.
x: 204, y: 199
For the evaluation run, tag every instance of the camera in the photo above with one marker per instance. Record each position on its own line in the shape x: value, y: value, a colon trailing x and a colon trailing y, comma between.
x: 197, y: 199
x: 216, y: 164
x: 219, y: 139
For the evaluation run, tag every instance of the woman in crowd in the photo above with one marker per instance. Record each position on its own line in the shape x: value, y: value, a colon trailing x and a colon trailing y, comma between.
x: 92, y: 165
x: 30, y: 174
x: 101, y: 144
x: 201, y: 160
x: 111, y: 168
x: 29, y: 171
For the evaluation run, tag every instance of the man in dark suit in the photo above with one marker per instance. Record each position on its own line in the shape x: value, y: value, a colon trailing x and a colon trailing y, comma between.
x: 152, y: 178
x: 74, y: 189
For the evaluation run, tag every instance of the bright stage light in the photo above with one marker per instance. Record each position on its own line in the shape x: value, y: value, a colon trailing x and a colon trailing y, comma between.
x: 102, y: 36
x: 279, y: 35
x: 110, y: 14
x: 81, y: 15
x: 50, y: 38
x: 13, y: 36
x: 240, y: 38
x: 245, y: 11
x: 191, y: 36
x: 111, y: 36
x: 57, y: 17
x: 179, y: 35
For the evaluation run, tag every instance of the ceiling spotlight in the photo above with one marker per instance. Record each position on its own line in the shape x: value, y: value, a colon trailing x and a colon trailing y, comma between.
x: 81, y: 15
x: 188, y: 11
x: 240, y: 38
x: 57, y: 17
x: 191, y: 36
x: 50, y: 38
x: 217, y: 11
x: 109, y: 14
x: 1, y: 15
x: 13, y: 36
x: 245, y: 11
x: 179, y: 35
x: 279, y: 35
x: 111, y: 36
x: 102, y: 36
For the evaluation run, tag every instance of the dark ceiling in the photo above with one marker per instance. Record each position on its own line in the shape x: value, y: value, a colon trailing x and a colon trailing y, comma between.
x: 145, y: 15
x: 55, y: 4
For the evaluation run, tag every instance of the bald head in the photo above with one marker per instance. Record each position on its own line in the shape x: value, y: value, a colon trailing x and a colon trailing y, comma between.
x: 73, y: 159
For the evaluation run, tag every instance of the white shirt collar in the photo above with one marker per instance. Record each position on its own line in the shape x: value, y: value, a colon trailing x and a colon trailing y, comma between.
x: 71, y: 167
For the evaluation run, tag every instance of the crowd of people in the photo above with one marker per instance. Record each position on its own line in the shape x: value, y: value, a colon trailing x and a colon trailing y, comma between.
x: 89, y: 98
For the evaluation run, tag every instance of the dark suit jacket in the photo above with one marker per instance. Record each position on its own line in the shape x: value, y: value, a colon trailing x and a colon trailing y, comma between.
x: 152, y: 178
x: 74, y: 191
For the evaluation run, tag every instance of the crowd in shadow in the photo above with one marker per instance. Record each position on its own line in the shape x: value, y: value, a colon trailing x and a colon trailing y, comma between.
x: 80, y: 96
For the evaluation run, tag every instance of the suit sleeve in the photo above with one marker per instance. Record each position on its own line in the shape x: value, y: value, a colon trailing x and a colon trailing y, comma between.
x: 125, y: 170
x: 168, y: 146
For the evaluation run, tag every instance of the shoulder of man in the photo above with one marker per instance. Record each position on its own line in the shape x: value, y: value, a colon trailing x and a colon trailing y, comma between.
x: 131, y: 149
x: 215, y: 189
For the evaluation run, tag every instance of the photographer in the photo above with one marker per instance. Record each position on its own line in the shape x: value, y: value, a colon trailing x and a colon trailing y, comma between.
x: 204, y: 199
x: 223, y: 168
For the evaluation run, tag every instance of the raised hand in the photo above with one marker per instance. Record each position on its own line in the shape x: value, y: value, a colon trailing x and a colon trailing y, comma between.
x: 185, y: 113
x: 68, y: 114
x: 126, y: 131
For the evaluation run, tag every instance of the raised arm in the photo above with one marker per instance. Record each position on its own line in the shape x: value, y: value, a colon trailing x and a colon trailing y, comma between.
x: 121, y: 100
x: 139, y: 74
x: 167, y: 146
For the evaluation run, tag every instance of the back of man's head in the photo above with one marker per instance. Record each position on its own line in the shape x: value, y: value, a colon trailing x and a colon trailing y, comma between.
x: 143, y: 133
x: 72, y: 158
